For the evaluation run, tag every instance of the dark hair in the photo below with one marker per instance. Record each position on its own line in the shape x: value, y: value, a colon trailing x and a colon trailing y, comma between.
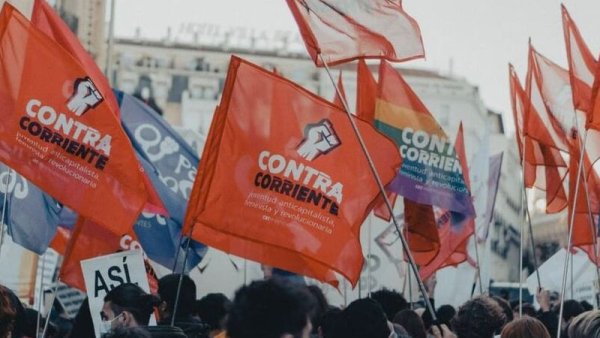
x: 525, y: 327
x: 212, y: 309
x: 480, y: 317
x: 321, y: 306
x: 363, y: 318
x: 571, y: 309
x: 391, y: 301
x: 131, y: 298
x: 82, y: 324
x: 328, y: 321
x: 506, y: 309
x: 445, y: 313
x: 167, y: 290
x: 127, y: 332
x: 411, y: 322
x: 586, y: 305
x: 8, y: 314
x: 586, y: 325
x: 269, y: 309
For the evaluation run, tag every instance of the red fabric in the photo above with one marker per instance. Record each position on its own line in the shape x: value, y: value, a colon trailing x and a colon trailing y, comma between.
x: 44, y: 18
x: 366, y: 92
x: 454, y: 229
x: 582, y: 64
x: 59, y: 133
x: 420, y: 229
x: 92, y: 240
x: 342, y: 30
x: 257, y: 137
x: 337, y: 100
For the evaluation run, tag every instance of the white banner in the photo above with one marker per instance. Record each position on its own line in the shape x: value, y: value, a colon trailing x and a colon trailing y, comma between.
x: 104, y: 273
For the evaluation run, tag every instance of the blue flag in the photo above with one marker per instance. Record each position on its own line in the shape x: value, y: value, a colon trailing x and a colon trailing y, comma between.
x: 171, y: 164
x: 31, y: 215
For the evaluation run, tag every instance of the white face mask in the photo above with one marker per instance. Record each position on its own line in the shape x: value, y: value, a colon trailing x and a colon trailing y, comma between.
x: 106, y: 325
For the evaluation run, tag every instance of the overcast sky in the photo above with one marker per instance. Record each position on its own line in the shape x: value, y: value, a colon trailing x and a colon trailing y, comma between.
x: 478, y: 37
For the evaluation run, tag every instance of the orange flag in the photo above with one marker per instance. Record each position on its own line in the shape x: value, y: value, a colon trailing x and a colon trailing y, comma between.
x: 342, y: 31
x: 366, y: 96
x: 539, y: 157
x: 337, y: 100
x: 44, y: 18
x: 582, y: 63
x: 92, y: 240
x: 277, y: 181
x: 454, y: 228
x: 420, y: 229
x: 58, y: 131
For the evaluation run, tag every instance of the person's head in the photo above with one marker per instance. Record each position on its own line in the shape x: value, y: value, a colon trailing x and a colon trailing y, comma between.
x: 445, y: 313
x: 411, y: 322
x: 167, y: 290
x: 8, y: 314
x: 328, y: 322
x: 525, y: 327
x: 586, y: 305
x: 478, y: 318
x: 571, y: 309
x: 506, y: 309
x: 127, y: 305
x: 321, y: 306
x: 586, y: 325
x: 127, y: 332
x: 363, y: 318
x: 391, y: 301
x: 213, y: 309
x: 271, y: 308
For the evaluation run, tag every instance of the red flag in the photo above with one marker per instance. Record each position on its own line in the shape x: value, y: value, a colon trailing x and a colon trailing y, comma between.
x: 366, y: 92
x: 337, y: 100
x: 341, y: 31
x: 44, y: 18
x: 455, y: 228
x: 420, y: 229
x: 582, y: 64
x: 59, y: 133
x: 277, y: 185
x: 92, y: 240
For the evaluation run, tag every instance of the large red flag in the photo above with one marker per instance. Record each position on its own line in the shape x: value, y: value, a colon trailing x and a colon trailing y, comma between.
x: 420, y: 229
x: 366, y: 96
x: 455, y: 228
x: 44, y: 18
x: 277, y: 183
x: 91, y: 240
x: 59, y: 133
x: 341, y: 30
x: 582, y: 64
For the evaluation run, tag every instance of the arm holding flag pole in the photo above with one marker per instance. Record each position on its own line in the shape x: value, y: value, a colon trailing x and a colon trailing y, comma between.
x: 385, y: 198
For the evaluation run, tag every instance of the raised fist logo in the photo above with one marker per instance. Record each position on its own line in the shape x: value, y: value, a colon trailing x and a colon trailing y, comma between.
x: 86, y: 96
x: 319, y: 138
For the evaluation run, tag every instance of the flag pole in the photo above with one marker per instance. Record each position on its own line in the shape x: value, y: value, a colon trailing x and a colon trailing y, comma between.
x: 570, y: 237
x: 382, y: 191
x: 41, y: 294
x: 478, y: 265
x: 587, y: 199
x: 110, y: 42
x: 4, y: 206
x: 532, y: 240
x: 369, y: 254
x: 185, y: 258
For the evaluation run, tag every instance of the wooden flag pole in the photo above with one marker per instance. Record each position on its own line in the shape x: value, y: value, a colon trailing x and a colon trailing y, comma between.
x: 570, y: 237
x: 388, y: 204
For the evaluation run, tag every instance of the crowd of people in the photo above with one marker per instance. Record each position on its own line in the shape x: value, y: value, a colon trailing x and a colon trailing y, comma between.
x: 285, y: 308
